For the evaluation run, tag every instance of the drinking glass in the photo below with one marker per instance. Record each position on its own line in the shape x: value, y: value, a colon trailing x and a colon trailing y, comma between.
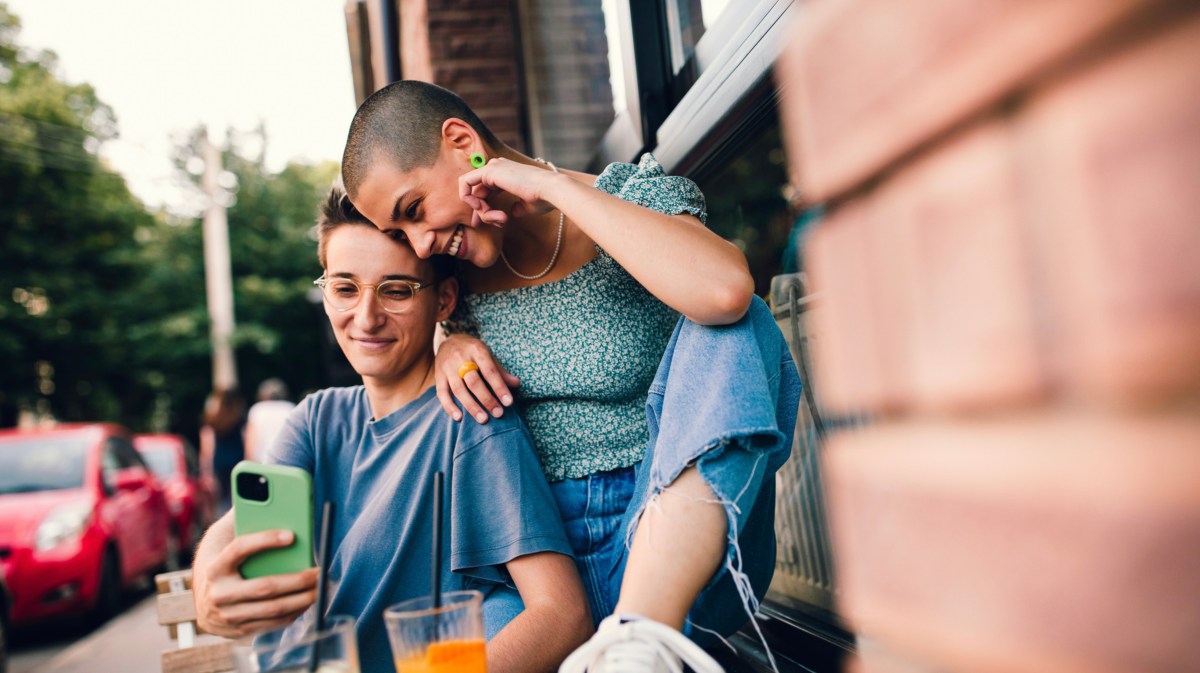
x: 295, y: 649
x: 445, y: 639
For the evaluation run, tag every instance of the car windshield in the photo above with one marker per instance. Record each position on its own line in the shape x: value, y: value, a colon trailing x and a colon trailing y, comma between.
x: 161, y: 462
x: 29, y: 464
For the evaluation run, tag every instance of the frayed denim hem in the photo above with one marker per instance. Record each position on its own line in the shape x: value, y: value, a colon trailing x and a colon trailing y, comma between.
x: 742, y: 484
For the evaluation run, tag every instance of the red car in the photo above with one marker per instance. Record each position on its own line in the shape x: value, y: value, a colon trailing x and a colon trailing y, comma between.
x: 189, y: 497
x: 81, y: 517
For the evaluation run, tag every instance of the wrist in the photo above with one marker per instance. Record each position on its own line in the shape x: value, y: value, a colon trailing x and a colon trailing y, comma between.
x: 557, y: 188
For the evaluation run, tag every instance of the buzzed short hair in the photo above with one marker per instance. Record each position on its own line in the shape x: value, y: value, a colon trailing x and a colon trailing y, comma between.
x: 337, y: 211
x: 402, y: 124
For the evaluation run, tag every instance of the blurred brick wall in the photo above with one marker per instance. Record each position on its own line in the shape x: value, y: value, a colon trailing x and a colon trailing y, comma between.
x: 1009, y: 283
x: 472, y: 48
x: 566, y: 54
x: 536, y: 71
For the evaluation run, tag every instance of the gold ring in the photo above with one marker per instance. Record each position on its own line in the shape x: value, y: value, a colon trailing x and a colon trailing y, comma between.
x: 466, y: 368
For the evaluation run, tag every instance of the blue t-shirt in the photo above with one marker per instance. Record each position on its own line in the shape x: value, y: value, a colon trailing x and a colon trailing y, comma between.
x: 380, y: 474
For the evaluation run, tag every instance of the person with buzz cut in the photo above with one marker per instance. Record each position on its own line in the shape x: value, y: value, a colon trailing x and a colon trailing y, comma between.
x: 659, y: 393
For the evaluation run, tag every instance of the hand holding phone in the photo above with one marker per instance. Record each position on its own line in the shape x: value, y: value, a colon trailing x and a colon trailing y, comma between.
x: 232, y: 606
x: 269, y: 497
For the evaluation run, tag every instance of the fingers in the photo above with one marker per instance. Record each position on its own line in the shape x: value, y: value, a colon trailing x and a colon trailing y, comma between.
x: 483, y: 393
x: 496, y: 379
x: 232, y: 606
x: 494, y: 217
x: 473, y: 192
x: 482, y: 211
x: 443, y: 394
x: 499, y: 176
x: 233, y: 592
x: 247, y: 619
x: 243, y: 547
x: 252, y: 628
x: 467, y: 399
x: 284, y: 608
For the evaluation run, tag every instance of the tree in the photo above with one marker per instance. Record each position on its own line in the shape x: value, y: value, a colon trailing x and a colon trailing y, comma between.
x: 102, y: 304
x: 280, y: 329
x: 65, y: 269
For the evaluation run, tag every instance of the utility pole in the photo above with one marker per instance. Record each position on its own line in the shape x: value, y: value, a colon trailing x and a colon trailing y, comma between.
x: 218, y: 273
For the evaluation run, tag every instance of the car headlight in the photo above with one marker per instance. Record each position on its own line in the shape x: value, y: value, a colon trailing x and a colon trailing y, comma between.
x: 64, y: 524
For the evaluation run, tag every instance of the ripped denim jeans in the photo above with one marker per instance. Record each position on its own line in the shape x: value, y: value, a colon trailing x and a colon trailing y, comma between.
x: 724, y: 399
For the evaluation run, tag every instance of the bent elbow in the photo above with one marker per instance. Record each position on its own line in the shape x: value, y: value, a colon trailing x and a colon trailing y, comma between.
x: 737, y: 301
x: 727, y: 303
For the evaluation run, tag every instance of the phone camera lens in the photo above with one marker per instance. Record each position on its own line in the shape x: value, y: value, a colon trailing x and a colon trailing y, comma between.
x: 253, y: 487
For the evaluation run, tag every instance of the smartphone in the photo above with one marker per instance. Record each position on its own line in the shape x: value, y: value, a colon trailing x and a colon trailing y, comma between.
x: 270, y: 497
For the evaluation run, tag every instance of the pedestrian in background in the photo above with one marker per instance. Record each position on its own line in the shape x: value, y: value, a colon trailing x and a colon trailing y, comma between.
x: 266, y: 417
x: 222, y: 443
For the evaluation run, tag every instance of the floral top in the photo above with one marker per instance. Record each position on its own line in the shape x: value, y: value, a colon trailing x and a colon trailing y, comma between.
x: 586, y: 347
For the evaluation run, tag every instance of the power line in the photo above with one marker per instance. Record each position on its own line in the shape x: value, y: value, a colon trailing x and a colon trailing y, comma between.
x: 77, y: 150
x: 71, y: 134
x: 35, y: 158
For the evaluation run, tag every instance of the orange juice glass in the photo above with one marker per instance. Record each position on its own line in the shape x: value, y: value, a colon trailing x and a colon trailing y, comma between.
x: 447, y: 638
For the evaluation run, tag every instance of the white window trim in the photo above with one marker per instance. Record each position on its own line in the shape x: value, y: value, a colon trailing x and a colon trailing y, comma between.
x: 726, y: 77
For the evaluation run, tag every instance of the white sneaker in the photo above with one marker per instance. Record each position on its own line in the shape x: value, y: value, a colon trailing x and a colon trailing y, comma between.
x: 639, y: 646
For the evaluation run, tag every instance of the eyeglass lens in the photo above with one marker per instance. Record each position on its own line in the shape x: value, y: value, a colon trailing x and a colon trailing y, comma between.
x: 392, y: 295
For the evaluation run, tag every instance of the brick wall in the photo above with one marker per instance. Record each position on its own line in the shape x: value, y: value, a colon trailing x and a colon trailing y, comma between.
x: 1010, y: 288
x: 472, y: 48
x: 566, y: 57
x: 536, y: 71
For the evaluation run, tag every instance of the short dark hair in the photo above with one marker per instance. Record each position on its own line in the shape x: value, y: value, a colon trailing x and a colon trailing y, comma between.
x: 402, y: 123
x: 337, y: 211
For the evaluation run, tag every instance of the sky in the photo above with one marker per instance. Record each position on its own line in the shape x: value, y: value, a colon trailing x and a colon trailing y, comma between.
x: 165, y: 66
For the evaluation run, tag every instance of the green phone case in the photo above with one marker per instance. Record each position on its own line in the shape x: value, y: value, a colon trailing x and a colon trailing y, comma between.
x: 289, y: 505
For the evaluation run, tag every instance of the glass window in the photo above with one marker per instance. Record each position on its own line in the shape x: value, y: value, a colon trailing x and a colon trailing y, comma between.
x: 42, y: 464
x: 125, y: 454
x: 687, y: 21
x: 616, y: 72
x: 162, y: 462
x: 747, y: 198
x: 108, y: 460
x: 192, y: 460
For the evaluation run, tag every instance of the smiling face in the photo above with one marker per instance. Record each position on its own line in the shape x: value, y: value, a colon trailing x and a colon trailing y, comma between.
x: 386, y: 347
x: 422, y: 207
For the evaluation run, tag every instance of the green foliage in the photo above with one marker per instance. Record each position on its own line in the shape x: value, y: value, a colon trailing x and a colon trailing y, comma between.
x: 66, y: 221
x: 102, y: 303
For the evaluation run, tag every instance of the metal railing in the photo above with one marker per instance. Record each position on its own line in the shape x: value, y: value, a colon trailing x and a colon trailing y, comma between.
x: 804, y: 565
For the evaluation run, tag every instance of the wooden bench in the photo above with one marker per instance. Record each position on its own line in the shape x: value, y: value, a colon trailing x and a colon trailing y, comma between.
x: 177, y: 611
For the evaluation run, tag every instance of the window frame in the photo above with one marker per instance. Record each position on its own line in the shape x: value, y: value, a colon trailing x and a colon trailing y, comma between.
x: 673, y: 114
x: 731, y: 62
x: 645, y: 63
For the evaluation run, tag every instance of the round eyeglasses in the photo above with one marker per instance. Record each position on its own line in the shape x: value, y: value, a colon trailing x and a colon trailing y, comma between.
x: 392, y: 296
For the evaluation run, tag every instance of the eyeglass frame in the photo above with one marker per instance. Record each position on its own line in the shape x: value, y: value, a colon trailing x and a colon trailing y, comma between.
x: 416, y: 287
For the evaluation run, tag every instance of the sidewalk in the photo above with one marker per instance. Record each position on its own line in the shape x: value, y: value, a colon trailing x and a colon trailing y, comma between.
x: 131, y: 643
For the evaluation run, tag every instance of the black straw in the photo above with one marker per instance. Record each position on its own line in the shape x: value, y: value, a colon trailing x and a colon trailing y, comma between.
x: 436, y: 575
x: 322, y: 573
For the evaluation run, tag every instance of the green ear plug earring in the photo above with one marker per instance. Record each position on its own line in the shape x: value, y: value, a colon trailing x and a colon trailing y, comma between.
x: 478, y: 160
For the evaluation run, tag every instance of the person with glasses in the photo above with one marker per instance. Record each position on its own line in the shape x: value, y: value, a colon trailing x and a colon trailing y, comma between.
x: 373, y: 449
x: 660, y: 435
